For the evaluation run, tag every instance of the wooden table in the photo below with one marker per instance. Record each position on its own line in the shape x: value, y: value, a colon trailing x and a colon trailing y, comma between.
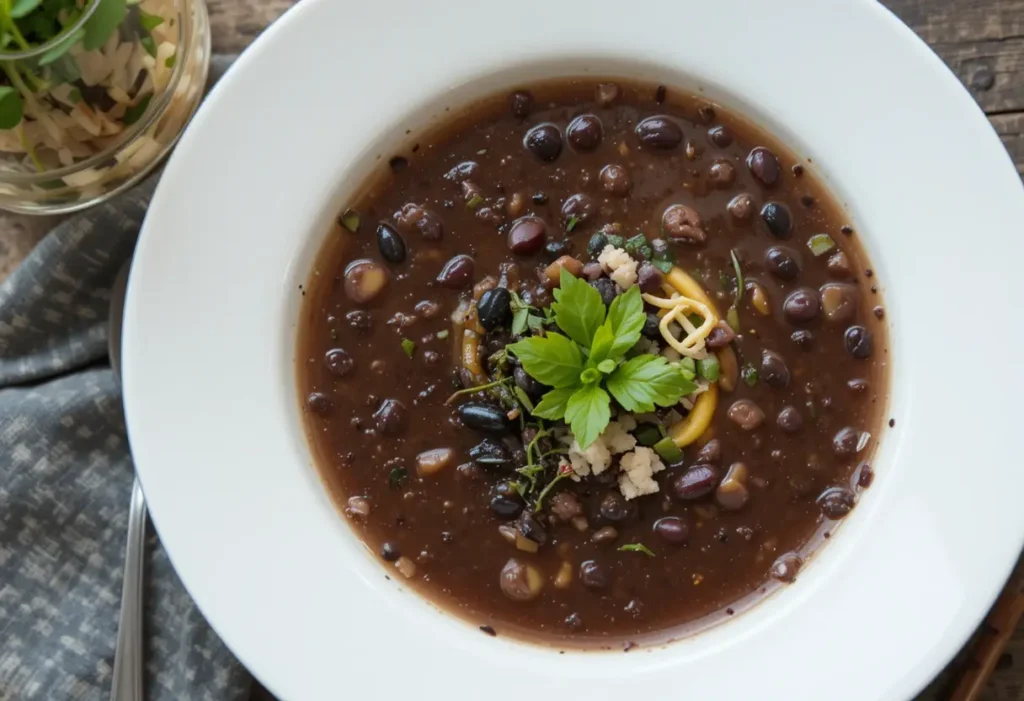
x: 982, y: 41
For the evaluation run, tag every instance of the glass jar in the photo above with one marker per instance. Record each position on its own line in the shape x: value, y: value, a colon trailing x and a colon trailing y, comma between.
x: 99, y: 106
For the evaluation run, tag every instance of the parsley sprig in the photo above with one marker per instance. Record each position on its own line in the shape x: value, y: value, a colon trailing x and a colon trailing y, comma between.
x: 586, y: 362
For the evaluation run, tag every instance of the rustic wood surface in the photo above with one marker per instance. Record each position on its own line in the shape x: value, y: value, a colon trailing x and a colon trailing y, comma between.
x: 982, y: 41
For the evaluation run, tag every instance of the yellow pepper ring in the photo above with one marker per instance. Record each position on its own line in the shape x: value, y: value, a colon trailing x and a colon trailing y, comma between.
x: 699, y: 419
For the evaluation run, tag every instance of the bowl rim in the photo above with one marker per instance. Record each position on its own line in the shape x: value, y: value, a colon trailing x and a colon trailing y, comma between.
x: 200, y: 192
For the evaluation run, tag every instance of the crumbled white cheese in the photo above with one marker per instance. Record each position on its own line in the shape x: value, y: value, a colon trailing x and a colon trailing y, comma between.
x: 670, y: 354
x: 617, y: 439
x: 594, y: 460
x: 619, y: 265
x: 646, y: 345
x: 626, y: 421
x: 638, y: 470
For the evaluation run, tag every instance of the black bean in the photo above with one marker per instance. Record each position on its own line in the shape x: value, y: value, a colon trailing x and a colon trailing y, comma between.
x: 616, y: 180
x: 607, y: 289
x: 774, y: 370
x: 789, y: 419
x: 390, y: 552
x: 844, y: 443
x: 651, y: 327
x: 659, y: 132
x: 722, y: 174
x: 532, y: 528
x: 339, y: 362
x: 490, y: 453
x: 721, y: 335
x: 574, y: 622
x: 532, y: 387
x: 802, y: 305
x: 696, y: 482
x: 672, y: 529
x: 457, y: 273
x: 364, y: 280
x: 746, y: 414
x: 649, y: 278
x: 555, y: 249
x: 803, y: 339
x: 505, y: 506
x: 391, y: 417
x: 360, y: 320
x: 596, y: 245
x: 520, y: 103
x: 578, y: 210
x: 720, y: 136
x: 859, y: 342
x: 836, y: 502
x: 594, y: 575
x: 463, y: 171
x: 585, y: 132
x: 777, y: 218
x: 683, y: 224
x: 391, y: 244
x: 781, y: 262
x: 544, y: 141
x: 764, y: 165
x: 711, y: 452
x: 494, y: 310
x: 741, y: 206
x: 613, y: 508
x: 527, y: 236
x: 519, y: 581
x: 320, y: 404
x: 483, y: 416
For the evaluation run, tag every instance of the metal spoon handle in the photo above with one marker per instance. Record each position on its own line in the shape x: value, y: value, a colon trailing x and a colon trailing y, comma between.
x: 127, y: 680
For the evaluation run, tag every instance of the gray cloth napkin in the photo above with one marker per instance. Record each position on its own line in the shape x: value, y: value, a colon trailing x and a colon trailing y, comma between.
x: 65, y: 481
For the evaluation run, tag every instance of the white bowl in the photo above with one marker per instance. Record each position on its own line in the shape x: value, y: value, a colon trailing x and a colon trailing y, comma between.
x: 308, y: 112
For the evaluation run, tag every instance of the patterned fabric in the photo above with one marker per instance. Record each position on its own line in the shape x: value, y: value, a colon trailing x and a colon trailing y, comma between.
x: 65, y: 481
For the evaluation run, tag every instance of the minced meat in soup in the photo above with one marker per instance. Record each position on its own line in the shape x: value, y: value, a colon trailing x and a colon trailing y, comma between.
x: 593, y: 364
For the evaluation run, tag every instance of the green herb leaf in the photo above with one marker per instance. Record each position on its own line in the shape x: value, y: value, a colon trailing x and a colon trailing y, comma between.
x: 579, y: 310
x: 606, y: 366
x: 397, y: 476
x: 615, y: 240
x: 523, y: 398
x: 648, y: 380
x: 408, y: 346
x: 635, y: 243
x: 520, y: 312
x: 552, y: 405
x: 20, y: 8
x: 171, y: 60
x: 664, y: 266
x: 601, y: 346
x: 11, y: 109
x: 590, y: 376
x: 135, y: 112
x: 749, y: 374
x: 149, y: 45
x: 149, y: 22
x: 820, y: 244
x: 626, y: 320
x: 442, y: 334
x: 636, y: 548
x: 552, y: 360
x: 105, y: 19
x: 62, y: 48
x: 571, y: 224
x: 588, y: 412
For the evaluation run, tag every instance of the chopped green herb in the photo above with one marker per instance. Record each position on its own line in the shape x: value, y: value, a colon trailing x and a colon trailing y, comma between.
x: 647, y: 434
x: 11, y: 108
x: 149, y: 22
x: 820, y: 244
x: 408, y: 346
x: 708, y: 368
x: 571, y: 224
x: 350, y: 220
x: 149, y: 45
x: 590, y: 375
x: 664, y: 266
x: 478, y: 388
x: 732, y: 317
x: 474, y: 202
x: 636, y: 548
x: 614, y: 240
x: 564, y: 470
x: 668, y: 451
x: 534, y: 323
x: 75, y: 95
x: 749, y: 374
x: 520, y: 315
x: 397, y: 476
x: 635, y: 243
x: 171, y: 60
x: 135, y: 112
x: 442, y: 334
x: 103, y: 22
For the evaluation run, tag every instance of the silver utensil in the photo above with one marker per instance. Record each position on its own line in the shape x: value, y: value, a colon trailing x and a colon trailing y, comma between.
x: 126, y: 684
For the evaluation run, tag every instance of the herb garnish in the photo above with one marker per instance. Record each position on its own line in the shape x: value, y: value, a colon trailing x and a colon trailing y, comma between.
x: 408, y: 346
x: 571, y: 224
x: 820, y: 244
x: 397, y: 476
x: 636, y: 548
x: 749, y: 374
x: 732, y: 317
x: 590, y: 355
x: 350, y: 220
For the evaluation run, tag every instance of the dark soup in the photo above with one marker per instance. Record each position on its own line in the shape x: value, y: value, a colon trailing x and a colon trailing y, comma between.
x: 594, y: 364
